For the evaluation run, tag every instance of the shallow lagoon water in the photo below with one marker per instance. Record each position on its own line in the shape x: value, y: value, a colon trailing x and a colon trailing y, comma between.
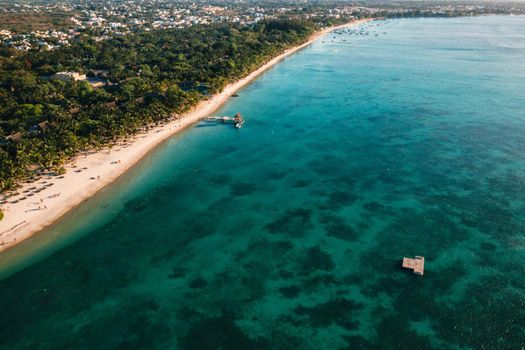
x: 289, y: 233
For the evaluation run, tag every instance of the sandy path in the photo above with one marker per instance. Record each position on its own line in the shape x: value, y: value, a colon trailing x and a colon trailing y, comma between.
x: 88, y: 174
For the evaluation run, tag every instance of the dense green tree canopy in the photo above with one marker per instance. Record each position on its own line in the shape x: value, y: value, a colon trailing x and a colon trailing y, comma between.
x: 150, y: 77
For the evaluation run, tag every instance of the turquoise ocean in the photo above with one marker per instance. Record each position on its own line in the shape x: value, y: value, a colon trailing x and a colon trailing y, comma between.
x: 289, y: 233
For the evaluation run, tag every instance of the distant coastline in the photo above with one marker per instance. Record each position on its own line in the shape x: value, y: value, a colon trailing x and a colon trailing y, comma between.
x: 89, y: 174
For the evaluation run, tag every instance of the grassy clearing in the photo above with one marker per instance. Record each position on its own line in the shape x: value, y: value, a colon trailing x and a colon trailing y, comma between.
x: 27, y: 22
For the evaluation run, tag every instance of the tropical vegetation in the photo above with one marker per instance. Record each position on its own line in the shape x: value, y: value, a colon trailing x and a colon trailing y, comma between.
x: 147, y: 78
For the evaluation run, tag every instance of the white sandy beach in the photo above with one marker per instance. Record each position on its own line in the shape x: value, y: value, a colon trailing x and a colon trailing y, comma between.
x: 88, y: 174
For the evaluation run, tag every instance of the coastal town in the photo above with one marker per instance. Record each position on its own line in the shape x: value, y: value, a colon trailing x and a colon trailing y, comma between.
x: 48, y: 26
x: 95, y: 74
x: 273, y: 174
x: 50, y: 192
x: 79, y: 77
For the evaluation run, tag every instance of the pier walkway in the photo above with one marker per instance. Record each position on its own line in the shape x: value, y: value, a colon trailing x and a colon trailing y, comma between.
x: 238, y: 120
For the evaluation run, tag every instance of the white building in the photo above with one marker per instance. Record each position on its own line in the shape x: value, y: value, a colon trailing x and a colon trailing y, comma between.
x: 69, y: 76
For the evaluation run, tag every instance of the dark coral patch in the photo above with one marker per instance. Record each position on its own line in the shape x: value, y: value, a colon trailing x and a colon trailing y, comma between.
x: 218, y: 333
x: 336, y: 311
x: 220, y: 179
x: 284, y: 274
x: 177, y: 272
x: 314, y: 260
x: 337, y: 227
x: 293, y: 222
x: 358, y: 342
x: 318, y: 281
x: 136, y: 205
x: 488, y: 247
x: 242, y: 189
x: 188, y: 314
x: 341, y: 199
x: 290, y: 292
x: 198, y: 283
x: 205, y: 226
x: 301, y: 183
x: 267, y: 251
x: 277, y: 175
x: 373, y: 207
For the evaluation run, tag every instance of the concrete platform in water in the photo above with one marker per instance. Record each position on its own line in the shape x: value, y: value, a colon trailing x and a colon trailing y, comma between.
x: 417, y: 264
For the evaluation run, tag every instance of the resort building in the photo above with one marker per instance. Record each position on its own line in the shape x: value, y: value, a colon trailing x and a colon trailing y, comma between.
x: 69, y: 76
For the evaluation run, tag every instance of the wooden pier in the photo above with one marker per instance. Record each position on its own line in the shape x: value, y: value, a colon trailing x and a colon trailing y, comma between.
x: 237, y: 120
x: 417, y: 264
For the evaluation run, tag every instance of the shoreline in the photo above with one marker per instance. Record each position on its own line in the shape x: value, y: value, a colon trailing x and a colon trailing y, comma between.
x: 49, y: 198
